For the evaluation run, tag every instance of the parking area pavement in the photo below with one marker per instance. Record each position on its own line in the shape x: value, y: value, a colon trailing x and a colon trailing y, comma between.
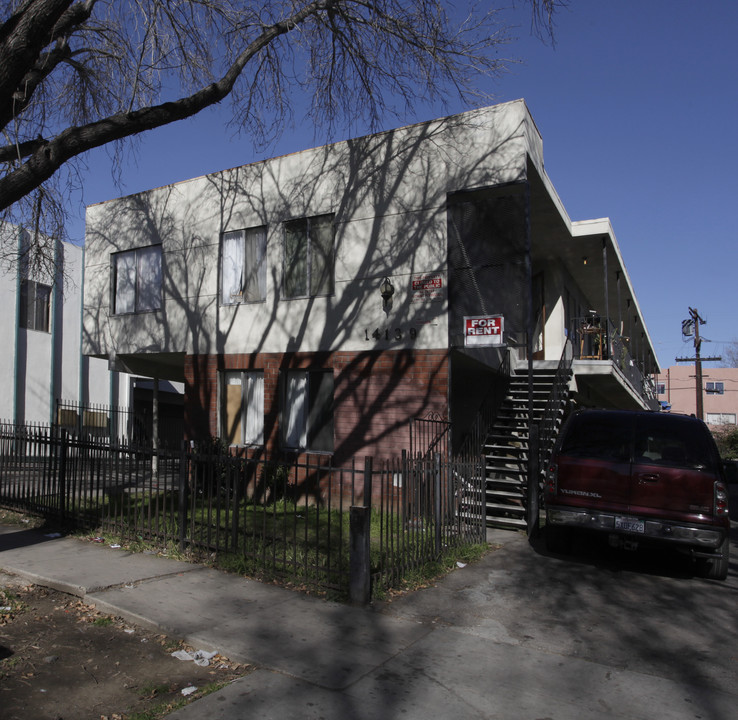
x: 520, y: 634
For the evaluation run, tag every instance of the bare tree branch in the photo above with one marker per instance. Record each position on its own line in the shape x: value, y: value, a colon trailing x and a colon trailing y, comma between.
x: 79, y: 74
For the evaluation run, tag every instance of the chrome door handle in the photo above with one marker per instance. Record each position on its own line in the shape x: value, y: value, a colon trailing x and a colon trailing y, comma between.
x: 649, y: 477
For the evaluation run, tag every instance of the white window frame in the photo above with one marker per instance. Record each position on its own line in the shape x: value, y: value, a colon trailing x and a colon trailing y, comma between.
x: 715, y: 388
x: 250, y: 427
x: 35, y: 306
x: 243, y: 266
x: 306, y: 424
x: 724, y: 418
x: 309, y: 264
x: 137, y: 280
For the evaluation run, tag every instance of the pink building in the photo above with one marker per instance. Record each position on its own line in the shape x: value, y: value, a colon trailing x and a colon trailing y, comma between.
x: 676, y: 387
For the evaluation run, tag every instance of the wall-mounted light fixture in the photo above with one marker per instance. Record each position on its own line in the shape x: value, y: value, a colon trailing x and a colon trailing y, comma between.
x: 386, y: 290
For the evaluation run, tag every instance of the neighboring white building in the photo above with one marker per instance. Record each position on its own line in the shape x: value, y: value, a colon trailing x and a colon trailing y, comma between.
x: 319, y: 301
x: 42, y: 361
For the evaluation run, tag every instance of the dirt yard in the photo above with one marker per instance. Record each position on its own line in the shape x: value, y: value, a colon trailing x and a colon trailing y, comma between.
x: 62, y: 660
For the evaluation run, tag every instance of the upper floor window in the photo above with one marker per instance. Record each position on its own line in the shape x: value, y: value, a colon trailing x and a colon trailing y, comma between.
x: 35, y: 305
x: 308, y: 256
x: 243, y: 266
x: 137, y: 280
x: 715, y: 388
x: 661, y: 388
x: 307, y: 410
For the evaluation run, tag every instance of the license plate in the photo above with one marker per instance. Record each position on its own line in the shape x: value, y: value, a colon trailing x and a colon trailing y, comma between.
x: 629, y: 525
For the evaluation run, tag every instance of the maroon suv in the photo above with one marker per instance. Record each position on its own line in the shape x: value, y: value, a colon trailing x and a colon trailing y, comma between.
x: 640, y: 477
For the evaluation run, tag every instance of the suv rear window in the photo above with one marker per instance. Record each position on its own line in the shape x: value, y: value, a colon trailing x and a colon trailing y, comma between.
x: 605, y: 436
x: 670, y: 440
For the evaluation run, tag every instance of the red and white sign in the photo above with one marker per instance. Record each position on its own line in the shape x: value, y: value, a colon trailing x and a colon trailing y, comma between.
x: 427, y: 287
x: 481, y: 330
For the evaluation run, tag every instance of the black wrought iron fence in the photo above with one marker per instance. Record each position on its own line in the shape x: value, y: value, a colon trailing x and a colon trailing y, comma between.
x: 119, y: 423
x: 426, y: 505
x: 256, y: 515
x: 429, y: 435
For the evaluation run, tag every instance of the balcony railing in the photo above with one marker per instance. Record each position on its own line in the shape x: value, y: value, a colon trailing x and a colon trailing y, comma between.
x: 595, y: 338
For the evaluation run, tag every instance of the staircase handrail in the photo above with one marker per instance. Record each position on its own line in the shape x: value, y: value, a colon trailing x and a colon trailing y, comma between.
x: 551, y: 409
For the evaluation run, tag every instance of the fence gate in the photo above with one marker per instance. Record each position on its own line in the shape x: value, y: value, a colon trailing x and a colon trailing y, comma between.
x: 429, y: 435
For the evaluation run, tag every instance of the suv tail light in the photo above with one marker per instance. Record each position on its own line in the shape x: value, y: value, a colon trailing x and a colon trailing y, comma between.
x: 552, y: 477
x: 721, y: 498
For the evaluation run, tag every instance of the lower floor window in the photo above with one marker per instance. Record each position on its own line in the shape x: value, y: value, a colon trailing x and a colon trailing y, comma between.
x: 307, y: 410
x: 720, y: 418
x: 243, y: 408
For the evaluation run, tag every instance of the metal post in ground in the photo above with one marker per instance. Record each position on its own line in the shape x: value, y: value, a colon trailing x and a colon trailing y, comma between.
x: 63, y: 473
x: 360, y: 520
x: 533, y: 509
x: 437, y: 520
x: 182, y: 498
x: 360, y: 551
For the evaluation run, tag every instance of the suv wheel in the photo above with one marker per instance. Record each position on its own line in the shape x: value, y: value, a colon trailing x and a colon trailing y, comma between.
x: 558, y: 539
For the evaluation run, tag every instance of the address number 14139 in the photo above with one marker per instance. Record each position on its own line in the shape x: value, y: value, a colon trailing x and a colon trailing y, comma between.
x: 387, y: 334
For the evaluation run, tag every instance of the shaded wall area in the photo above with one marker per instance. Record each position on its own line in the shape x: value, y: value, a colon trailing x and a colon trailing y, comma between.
x: 376, y: 395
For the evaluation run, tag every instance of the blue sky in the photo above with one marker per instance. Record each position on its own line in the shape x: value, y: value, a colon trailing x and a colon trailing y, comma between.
x: 637, y: 105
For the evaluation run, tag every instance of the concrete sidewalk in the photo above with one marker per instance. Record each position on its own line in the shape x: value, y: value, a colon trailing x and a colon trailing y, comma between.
x: 319, y: 659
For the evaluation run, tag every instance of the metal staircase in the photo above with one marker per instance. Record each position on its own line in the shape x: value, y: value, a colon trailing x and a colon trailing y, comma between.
x: 507, y: 446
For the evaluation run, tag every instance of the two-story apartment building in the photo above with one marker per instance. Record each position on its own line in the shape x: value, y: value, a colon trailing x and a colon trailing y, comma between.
x: 323, y: 300
x: 676, y: 388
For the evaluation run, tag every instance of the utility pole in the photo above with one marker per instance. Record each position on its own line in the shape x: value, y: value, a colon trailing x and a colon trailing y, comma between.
x: 687, y: 326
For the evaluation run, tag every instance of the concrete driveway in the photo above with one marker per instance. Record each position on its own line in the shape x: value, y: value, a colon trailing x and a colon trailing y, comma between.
x: 642, y: 612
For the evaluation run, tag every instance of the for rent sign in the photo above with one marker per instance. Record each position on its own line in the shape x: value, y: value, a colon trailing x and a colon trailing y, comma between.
x: 483, y: 330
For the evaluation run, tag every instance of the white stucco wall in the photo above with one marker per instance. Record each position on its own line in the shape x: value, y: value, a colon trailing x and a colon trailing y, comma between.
x: 7, y: 332
x: 28, y: 389
x: 388, y: 194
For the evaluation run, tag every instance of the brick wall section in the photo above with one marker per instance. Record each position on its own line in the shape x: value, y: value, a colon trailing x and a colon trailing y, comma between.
x: 375, y: 395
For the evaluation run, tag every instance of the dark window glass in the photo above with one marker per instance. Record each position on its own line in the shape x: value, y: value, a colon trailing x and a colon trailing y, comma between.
x: 604, y: 437
x: 137, y: 280
x: 308, y: 256
x: 672, y: 440
x: 307, y: 410
x: 35, y: 306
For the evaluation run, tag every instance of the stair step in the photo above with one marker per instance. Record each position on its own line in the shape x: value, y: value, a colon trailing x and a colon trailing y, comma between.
x: 505, y: 494
x: 515, y: 449
x: 507, y: 523
x: 514, y: 509
x: 506, y: 468
x: 505, y: 481
x: 502, y: 472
